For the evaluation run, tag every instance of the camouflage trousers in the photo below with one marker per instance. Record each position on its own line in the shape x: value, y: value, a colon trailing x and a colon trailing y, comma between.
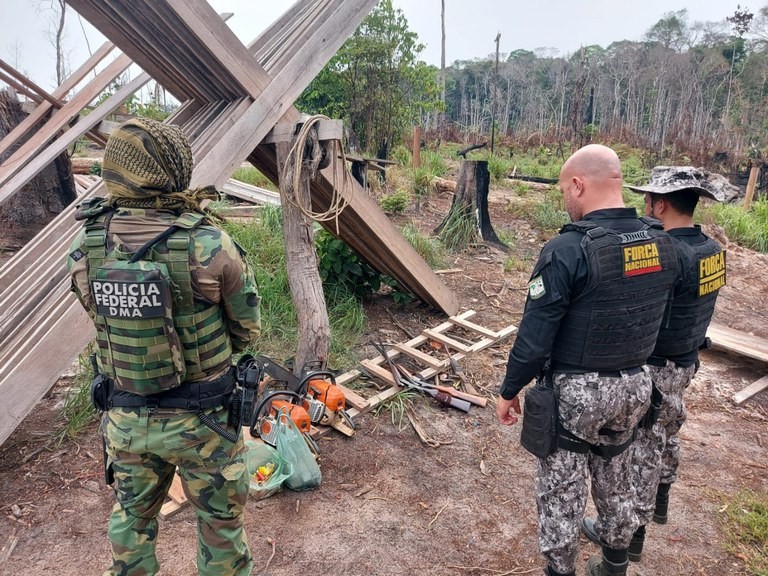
x: 656, y: 452
x: 600, y: 410
x: 144, y: 448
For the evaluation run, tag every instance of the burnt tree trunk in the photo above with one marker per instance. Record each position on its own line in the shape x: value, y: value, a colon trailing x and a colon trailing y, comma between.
x: 314, y: 332
x: 470, y: 205
x: 39, y: 201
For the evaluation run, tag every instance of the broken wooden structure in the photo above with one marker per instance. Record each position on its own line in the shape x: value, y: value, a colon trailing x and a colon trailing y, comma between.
x: 735, y: 342
x: 232, y: 96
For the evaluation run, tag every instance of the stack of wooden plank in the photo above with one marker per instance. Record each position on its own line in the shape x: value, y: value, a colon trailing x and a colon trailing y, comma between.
x: 230, y: 104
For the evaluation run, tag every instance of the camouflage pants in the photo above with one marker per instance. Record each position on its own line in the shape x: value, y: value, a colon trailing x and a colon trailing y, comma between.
x: 588, y: 406
x: 656, y: 452
x: 144, y: 448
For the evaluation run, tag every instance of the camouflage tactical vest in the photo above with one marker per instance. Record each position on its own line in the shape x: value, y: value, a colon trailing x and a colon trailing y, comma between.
x: 152, y: 334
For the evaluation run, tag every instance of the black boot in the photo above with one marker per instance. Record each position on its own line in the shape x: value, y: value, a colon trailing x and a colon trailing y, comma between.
x: 588, y: 528
x: 612, y: 562
x: 552, y: 572
x: 635, y: 551
x: 662, y: 503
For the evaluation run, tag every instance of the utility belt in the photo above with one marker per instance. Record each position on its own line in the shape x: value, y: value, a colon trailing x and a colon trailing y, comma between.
x: 602, y: 374
x: 542, y: 434
x: 189, y: 396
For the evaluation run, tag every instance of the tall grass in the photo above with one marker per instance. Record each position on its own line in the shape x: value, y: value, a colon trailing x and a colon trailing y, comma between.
x: 250, y: 175
x: 748, y: 228
x: 428, y: 248
x: 262, y: 240
x: 78, y: 411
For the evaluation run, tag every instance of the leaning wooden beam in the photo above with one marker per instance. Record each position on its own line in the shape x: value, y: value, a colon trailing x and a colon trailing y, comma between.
x: 19, y: 87
x: 61, y: 92
x: 29, y: 84
x: 60, y: 120
x: 9, y: 186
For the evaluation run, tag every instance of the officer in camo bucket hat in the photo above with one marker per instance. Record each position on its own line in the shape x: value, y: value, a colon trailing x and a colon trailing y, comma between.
x: 172, y: 298
x: 671, y: 197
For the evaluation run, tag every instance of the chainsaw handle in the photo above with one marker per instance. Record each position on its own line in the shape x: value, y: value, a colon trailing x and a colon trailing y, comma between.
x: 471, y: 398
x: 448, y: 400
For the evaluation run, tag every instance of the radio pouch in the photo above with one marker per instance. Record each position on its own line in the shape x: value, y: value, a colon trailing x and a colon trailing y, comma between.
x: 539, y: 433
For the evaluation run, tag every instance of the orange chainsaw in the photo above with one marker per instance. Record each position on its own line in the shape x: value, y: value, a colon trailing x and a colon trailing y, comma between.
x: 276, y: 404
x: 320, y: 396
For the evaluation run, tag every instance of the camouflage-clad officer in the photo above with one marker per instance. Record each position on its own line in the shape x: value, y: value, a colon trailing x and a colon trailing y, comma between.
x: 171, y: 297
x: 671, y: 196
x: 596, y: 299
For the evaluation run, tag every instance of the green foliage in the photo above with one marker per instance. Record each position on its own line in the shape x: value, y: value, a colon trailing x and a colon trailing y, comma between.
x: 548, y: 217
x: 744, y: 518
x: 633, y: 170
x: 402, y: 155
x: 95, y: 169
x: 395, y: 202
x: 252, y: 176
x: 375, y: 81
x: 397, y: 406
x: 263, y: 242
x: 459, y: 230
x: 342, y: 268
x: 433, y: 162
x: 748, y: 228
x: 422, y: 181
x: 499, y: 168
x: 428, y: 248
x: 78, y: 412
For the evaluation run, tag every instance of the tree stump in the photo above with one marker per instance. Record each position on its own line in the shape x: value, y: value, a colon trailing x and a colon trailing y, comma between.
x: 468, y: 219
x: 39, y: 201
x: 314, y: 332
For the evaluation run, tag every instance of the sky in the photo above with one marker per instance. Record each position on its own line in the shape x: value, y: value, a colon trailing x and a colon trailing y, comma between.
x: 471, y: 26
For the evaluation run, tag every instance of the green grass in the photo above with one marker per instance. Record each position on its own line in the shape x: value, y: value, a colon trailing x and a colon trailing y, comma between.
x: 433, y: 162
x: 395, y: 202
x: 428, y: 248
x: 459, y: 231
x: 78, y: 412
x: 252, y: 176
x: 397, y: 407
x: 744, y: 519
x: 263, y: 242
x: 748, y: 228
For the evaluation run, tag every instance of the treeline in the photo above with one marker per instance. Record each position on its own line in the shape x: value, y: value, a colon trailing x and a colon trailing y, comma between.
x: 687, y: 88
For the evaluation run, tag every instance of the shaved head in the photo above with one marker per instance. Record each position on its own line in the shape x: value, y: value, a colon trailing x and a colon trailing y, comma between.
x: 591, y: 180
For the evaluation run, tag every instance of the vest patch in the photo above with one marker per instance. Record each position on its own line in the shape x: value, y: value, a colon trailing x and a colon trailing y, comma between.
x: 711, y: 273
x: 536, y: 288
x: 77, y: 255
x: 119, y: 299
x: 641, y: 259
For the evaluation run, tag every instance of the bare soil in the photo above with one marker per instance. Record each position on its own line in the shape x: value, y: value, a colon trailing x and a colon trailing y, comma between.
x: 390, y: 505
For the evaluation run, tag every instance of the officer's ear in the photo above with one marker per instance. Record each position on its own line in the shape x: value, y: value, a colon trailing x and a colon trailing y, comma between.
x: 577, y: 186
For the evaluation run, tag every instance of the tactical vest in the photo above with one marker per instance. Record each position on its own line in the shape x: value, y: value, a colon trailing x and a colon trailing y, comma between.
x: 692, y: 307
x: 613, y: 323
x: 152, y: 334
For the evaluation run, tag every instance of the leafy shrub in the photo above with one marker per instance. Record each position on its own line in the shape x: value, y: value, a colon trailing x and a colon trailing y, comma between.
x: 422, y: 181
x: 499, y: 168
x: 395, y: 202
x: 402, y: 155
x: 95, y: 169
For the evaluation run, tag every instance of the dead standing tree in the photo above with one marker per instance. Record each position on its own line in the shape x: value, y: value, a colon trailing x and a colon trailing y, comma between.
x: 468, y: 220
x: 299, y: 160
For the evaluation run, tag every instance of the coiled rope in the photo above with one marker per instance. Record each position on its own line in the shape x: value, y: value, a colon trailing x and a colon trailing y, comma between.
x: 297, y: 167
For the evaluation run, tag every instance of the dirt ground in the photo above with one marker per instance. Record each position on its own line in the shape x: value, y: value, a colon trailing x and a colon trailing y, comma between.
x: 390, y: 505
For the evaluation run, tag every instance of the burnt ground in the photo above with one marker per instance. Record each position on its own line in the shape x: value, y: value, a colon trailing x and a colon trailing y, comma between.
x: 390, y: 505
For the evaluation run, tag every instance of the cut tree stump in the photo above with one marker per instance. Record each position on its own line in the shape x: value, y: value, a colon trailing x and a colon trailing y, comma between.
x: 470, y: 201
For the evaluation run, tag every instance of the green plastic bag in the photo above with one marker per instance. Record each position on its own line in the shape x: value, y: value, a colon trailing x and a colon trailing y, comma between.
x: 293, y: 448
x: 260, y: 454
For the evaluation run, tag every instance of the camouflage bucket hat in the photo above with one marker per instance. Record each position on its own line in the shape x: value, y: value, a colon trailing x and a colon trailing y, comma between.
x: 145, y: 158
x: 667, y: 179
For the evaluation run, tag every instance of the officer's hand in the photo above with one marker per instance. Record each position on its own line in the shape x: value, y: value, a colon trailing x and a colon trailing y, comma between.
x: 504, y: 410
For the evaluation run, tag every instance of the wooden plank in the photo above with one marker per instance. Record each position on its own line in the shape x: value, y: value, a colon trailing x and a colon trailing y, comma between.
x: 29, y: 84
x: 446, y: 340
x: 751, y: 184
x: 474, y: 327
x: 733, y: 341
x: 326, y: 130
x: 751, y: 390
x: 418, y: 355
x: 40, y: 161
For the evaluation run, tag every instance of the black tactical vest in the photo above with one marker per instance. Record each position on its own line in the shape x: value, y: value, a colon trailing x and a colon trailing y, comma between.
x: 614, y: 322
x: 702, y: 276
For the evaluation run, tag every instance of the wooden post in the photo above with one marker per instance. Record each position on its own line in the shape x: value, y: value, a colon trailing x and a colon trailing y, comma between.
x: 470, y: 202
x: 314, y: 332
x: 416, y: 147
x: 751, y: 184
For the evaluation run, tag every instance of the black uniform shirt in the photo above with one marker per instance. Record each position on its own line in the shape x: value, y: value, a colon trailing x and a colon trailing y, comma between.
x: 559, y: 277
x: 687, y: 280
